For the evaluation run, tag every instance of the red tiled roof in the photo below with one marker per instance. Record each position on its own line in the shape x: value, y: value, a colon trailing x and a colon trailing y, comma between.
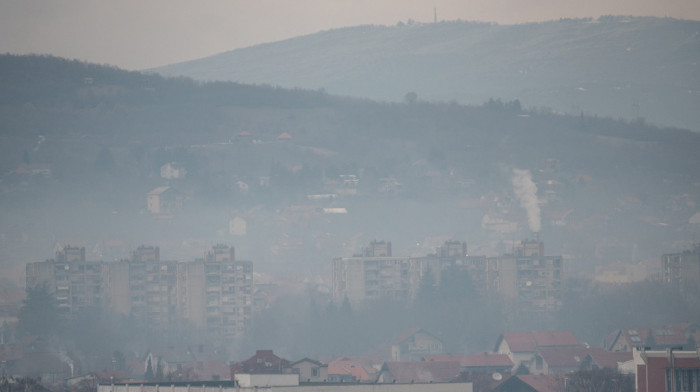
x: 667, y: 336
x: 263, y: 362
x: 541, y: 382
x: 345, y: 365
x: 670, y: 335
x: 565, y: 356
x: 406, y: 335
x: 554, y: 338
x: 519, y: 341
x: 529, y: 341
x: 422, y: 372
x: 477, y: 360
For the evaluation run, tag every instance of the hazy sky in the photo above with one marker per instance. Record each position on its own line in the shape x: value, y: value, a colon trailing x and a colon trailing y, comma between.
x: 136, y: 34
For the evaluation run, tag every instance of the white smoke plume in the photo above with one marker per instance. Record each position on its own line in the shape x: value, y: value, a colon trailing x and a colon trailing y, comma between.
x: 526, y: 191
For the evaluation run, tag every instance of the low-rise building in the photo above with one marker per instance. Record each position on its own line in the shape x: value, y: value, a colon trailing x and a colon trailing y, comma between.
x: 164, y: 200
x: 214, y: 293
x: 418, y: 372
x: 310, y: 370
x: 415, y: 345
x: 668, y: 371
x: 522, y: 346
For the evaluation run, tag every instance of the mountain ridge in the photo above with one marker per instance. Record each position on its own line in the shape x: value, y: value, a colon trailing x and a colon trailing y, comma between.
x: 621, y: 67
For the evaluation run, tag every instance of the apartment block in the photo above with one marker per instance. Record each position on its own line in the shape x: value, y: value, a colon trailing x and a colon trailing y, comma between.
x: 214, y: 293
x: 682, y: 270
x: 375, y: 274
x: 525, y: 277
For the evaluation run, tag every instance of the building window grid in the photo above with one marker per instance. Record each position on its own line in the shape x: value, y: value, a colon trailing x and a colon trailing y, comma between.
x: 685, y: 380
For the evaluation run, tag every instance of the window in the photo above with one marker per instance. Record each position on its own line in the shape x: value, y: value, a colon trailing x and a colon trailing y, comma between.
x: 314, y: 372
x: 685, y: 380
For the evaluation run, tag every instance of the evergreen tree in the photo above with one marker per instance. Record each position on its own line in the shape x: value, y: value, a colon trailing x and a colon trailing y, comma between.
x: 149, y: 371
x: 427, y: 292
x: 39, y: 315
x: 159, y: 370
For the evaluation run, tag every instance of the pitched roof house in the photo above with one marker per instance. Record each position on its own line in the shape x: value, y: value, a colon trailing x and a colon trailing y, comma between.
x: 414, y: 345
x: 559, y: 360
x: 682, y: 335
x: 263, y: 362
x: 521, y: 346
x: 353, y: 369
x: 418, y: 372
x: 601, y: 359
x: 477, y: 363
x: 310, y: 370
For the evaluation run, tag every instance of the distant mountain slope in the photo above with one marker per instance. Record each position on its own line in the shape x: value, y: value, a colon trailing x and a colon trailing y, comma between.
x: 82, y: 143
x: 614, y: 66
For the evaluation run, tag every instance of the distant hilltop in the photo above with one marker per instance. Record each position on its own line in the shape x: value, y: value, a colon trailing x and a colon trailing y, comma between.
x: 622, y: 67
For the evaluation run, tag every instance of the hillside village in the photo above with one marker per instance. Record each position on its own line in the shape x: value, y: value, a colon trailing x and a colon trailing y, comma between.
x: 218, y: 235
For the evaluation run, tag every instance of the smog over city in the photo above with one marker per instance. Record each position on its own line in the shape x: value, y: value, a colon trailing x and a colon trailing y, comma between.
x: 349, y: 195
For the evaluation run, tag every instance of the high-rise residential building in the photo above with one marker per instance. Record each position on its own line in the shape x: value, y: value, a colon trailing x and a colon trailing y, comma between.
x: 525, y: 277
x: 376, y: 274
x: 76, y: 283
x: 377, y: 249
x: 682, y: 270
x: 214, y: 293
x: 229, y: 292
x: 361, y: 278
x: 528, y: 278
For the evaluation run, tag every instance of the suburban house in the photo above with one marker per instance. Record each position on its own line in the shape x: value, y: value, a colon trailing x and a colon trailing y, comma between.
x: 353, y: 369
x: 683, y: 335
x: 263, y: 362
x: 477, y: 363
x: 559, y: 360
x: 310, y: 370
x: 414, y: 345
x: 522, y: 346
x: 601, y: 359
x: 418, y: 372
x: 164, y: 200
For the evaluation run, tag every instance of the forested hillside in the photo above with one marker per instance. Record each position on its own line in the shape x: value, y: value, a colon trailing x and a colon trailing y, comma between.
x: 620, y: 67
x: 83, y: 144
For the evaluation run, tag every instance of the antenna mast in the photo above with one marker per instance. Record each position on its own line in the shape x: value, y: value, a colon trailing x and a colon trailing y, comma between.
x: 435, y: 14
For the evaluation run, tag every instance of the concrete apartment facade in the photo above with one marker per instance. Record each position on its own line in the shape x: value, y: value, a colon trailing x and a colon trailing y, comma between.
x: 526, y: 277
x: 214, y: 293
x: 682, y: 270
